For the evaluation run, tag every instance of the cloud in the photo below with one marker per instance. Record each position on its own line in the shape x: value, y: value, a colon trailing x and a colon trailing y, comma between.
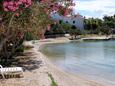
x: 95, y: 8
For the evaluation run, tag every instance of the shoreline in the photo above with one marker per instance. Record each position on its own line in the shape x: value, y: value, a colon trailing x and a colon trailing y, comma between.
x: 99, y: 82
x: 64, y: 78
x: 94, y: 38
x: 37, y: 75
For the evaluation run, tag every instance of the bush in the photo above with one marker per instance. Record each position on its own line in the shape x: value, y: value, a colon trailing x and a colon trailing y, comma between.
x: 20, y: 49
x: 28, y: 36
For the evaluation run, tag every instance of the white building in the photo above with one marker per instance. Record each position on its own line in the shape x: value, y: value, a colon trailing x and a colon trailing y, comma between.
x: 76, y: 20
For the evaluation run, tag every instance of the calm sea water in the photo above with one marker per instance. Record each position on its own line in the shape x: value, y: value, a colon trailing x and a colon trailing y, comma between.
x: 92, y: 58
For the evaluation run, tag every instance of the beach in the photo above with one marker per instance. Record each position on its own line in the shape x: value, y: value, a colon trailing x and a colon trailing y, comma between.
x: 39, y: 67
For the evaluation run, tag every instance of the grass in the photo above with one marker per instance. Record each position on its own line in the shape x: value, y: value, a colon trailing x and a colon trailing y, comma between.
x: 53, y: 81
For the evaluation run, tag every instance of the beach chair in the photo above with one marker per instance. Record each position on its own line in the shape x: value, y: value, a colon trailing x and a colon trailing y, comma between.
x: 11, y: 71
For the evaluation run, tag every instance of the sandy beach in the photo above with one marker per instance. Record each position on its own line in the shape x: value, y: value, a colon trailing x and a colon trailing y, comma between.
x: 38, y: 68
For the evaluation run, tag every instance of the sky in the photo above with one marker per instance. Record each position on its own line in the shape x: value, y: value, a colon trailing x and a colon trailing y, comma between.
x: 95, y: 8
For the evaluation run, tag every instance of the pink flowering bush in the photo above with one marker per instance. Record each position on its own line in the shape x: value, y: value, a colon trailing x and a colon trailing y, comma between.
x: 15, y: 5
x: 48, y: 5
x: 20, y: 16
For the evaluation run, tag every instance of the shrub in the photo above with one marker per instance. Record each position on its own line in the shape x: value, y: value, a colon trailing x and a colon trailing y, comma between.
x: 28, y: 36
x: 20, y: 49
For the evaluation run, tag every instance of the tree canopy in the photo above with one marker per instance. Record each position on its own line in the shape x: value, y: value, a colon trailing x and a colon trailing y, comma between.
x: 96, y: 25
x: 18, y: 17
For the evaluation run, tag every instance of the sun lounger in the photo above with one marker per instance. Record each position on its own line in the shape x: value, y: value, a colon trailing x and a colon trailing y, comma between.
x: 11, y: 71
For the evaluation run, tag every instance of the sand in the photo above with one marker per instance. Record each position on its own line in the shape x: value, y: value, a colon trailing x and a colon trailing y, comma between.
x: 38, y: 67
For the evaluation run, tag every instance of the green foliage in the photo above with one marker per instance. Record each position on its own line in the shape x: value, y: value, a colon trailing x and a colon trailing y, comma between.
x: 56, y: 29
x: 105, y: 30
x: 92, y: 24
x: 28, y: 36
x: 97, y: 26
x: 52, y: 79
x: 32, y: 21
x: 66, y: 27
x: 62, y: 28
x: 109, y: 21
x: 20, y: 49
x: 75, y: 32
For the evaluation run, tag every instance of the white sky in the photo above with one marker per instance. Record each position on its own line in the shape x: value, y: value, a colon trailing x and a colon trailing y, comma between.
x: 95, y: 8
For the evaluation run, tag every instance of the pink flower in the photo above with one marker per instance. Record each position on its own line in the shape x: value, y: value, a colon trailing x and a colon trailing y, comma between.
x: 28, y: 3
x: 17, y: 14
x: 48, y: 27
x: 10, y: 3
x: 18, y: 3
x: 5, y: 3
x: 13, y: 5
x: 5, y: 9
x: 23, y: 1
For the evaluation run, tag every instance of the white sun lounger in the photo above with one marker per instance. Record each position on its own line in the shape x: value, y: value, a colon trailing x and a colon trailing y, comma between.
x: 10, y: 70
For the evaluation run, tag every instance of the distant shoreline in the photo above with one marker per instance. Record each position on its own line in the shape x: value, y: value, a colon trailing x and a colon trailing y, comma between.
x: 93, y: 37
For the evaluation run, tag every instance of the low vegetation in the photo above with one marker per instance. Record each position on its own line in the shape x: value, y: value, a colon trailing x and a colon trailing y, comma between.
x: 103, y: 26
x: 53, y: 83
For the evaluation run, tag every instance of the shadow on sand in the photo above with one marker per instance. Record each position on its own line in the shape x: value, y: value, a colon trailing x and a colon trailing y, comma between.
x: 27, y: 61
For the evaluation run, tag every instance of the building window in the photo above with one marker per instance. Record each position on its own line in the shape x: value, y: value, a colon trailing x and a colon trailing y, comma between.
x: 73, y: 22
x: 66, y: 21
x: 60, y: 21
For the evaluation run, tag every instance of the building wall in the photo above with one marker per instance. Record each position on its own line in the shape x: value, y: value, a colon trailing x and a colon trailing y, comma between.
x: 77, y: 20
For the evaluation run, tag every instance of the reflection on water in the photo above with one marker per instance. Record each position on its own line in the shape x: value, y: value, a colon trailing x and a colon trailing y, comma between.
x: 91, y: 58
